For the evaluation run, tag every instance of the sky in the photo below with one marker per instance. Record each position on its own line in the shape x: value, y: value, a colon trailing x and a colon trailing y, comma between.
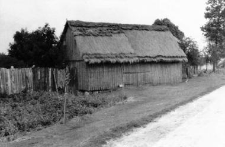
x: 188, y: 15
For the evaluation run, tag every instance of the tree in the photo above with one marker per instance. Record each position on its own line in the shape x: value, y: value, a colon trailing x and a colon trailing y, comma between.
x: 214, y: 29
x: 190, y: 48
x: 171, y: 26
x: 37, y: 48
x: 7, y: 61
x: 188, y: 45
x: 206, y: 56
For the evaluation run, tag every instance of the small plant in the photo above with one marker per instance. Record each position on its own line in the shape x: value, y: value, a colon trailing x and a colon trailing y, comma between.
x: 34, y: 110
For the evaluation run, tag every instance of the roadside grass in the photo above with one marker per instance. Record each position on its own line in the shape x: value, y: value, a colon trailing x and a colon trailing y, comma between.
x: 119, y: 131
x: 217, y: 79
x: 143, y: 105
x: 25, y: 112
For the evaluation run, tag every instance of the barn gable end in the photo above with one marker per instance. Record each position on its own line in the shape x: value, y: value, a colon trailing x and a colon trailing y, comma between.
x: 72, y: 51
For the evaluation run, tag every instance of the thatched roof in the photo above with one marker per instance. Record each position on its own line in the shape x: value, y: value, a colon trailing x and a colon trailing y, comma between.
x: 110, y: 42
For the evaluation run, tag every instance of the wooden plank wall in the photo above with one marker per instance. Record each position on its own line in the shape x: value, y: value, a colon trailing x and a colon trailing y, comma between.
x: 16, y: 80
x: 72, y: 53
x: 152, y: 73
x: 109, y: 76
x: 104, y: 76
x: 80, y: 73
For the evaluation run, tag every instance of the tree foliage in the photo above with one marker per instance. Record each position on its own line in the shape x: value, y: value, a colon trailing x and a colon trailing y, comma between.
x: 7, y: 61
x: 206, y: 54
x: 37, y: 48
x: 172, y: 27
x: 190, y: 48
x: 214, y: 29
x: 188, y: 45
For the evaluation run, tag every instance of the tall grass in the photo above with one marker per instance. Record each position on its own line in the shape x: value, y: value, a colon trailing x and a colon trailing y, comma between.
x: 31, y: 111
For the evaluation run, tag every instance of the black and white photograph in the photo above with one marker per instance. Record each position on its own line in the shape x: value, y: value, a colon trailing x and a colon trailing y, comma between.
x: 112, y: 73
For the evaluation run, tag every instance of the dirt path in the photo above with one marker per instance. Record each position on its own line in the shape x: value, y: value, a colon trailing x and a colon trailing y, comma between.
x: 197, y: 124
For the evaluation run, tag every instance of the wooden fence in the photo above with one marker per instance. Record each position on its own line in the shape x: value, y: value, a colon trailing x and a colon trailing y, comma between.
x: 16, y: 80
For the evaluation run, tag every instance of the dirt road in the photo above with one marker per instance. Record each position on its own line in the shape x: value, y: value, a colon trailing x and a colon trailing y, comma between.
x: 197, y: 124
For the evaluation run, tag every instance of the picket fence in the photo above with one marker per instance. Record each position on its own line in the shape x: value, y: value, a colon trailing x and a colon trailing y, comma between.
x: 16, y: 80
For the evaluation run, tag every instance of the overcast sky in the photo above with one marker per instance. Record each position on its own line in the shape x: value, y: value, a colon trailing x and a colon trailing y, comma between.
x: 188, y: 15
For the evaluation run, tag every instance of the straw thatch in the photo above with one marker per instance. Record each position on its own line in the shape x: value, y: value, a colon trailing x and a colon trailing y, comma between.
x: 81, y: 28
x: 109, y: 42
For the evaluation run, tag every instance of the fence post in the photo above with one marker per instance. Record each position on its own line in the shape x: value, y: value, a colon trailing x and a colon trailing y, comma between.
x: 9, y: 81
x: 64, y: 106
x: 66, y: 83
x: 50, y: 79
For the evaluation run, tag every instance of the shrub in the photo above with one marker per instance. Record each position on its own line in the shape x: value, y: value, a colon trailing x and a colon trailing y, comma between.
x: 29, y: 111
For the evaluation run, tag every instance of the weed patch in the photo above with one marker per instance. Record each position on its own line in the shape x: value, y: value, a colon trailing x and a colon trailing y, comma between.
x: 34, y: 110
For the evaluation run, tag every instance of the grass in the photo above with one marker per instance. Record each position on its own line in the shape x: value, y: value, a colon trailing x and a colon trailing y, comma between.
x: 197, y: 87
x: 118, y: 131
x: 144, y: 104
x: 25, y: 112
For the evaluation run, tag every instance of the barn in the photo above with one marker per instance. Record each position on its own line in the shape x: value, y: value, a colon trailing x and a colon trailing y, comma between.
x: 103, y: 56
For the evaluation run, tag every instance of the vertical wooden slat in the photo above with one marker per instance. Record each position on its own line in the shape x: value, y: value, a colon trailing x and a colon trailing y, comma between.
x: 91, y: 77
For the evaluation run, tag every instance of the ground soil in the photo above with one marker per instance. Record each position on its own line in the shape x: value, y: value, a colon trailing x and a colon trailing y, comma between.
x: 197, y: 124
x: 145, y: 103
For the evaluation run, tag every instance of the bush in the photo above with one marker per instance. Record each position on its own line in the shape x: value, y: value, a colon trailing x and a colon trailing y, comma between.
x: 29, y: 111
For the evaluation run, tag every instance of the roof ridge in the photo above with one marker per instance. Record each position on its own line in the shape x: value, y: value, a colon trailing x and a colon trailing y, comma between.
x: 82, y: 28
x: 88, y: 23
